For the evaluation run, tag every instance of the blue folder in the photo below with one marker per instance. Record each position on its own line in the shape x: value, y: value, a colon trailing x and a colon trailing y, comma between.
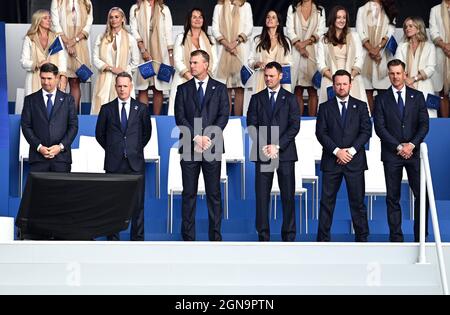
x: 165, y: 72
x: 286, y: 75
x: 330, y: 92
x: 55, y: 47
x: 84, y: 73
x: 146, y: 70
x: 246, y: 73
x: 317, y: 80
x: 433, y: 101
x: 392, y: 45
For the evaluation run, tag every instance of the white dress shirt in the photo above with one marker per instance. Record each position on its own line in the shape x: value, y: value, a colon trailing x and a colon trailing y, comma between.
x: 44, y: 95
x: 204, y: 85
x: 403, y: 90
x: 352, y: 150
x: 277, y: 91
x: 127, y: 106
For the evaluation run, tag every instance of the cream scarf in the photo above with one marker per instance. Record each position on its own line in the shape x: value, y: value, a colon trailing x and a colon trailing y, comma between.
x: 188, y: 49
x: 229, y: 23
x: 105, y: 90
x: 351, y: 54
x: 39, y: 54
x: 412, y: 67
x: 446, y: 21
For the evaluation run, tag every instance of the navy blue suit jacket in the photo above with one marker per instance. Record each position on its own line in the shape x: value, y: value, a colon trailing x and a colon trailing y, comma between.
x: 38, y: 129
x: 214, y: 112
x: 332, y: 134
x: 110, y: 136
x: 285, y: 116
x: 394, y: 130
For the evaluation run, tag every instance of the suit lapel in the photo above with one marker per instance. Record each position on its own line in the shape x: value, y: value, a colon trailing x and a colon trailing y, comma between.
x: 336, y: 112
x: 266, y: 104
x: 59, y: 99
x: 210, y: 88
x: 350, y: 110
x: 281, y: 98
x: 133, y: 112
x: 193, y: 89
x: 408, y: 103
x: 42, y: 105
x: 116, y: 113
x: 393, y: 102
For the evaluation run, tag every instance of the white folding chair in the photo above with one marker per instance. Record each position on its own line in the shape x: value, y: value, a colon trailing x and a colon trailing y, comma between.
x: 299, y: 191
x: 24, y: 152
x: 151, y: 155
x: 308, y: 130
x: 95, y: 154
x: 375, y: 184
x: 79, y: 161
x: 234, y: 148
x: 20, y: 96
x: 308, y: 168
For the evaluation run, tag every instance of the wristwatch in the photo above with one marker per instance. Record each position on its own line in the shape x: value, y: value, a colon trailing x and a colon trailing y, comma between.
x: 77, y: 39
x: 416, y: 78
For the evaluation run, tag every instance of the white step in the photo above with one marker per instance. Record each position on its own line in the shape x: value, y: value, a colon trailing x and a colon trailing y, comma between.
x: 215, y: 268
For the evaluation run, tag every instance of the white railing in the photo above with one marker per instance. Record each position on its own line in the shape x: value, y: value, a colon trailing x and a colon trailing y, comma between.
x: 426, y: 185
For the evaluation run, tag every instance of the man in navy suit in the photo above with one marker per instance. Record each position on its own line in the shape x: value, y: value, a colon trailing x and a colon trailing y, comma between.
x: 123, y: 130
x: 343, y: 128
x: 50, y: 124
x: 273, y: 119
x: 201, y: 113
x: 401, y: 122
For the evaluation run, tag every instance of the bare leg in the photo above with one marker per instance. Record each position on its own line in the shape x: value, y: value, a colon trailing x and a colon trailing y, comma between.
x: 444, y: 104
x: 238, y: 101
x: 369, y: 94
x: 143, y: 97
x: 230, y: 99
x: 313, y: 101
x: 75, y: 91
x: 299, y: 94
x: 157, y: 101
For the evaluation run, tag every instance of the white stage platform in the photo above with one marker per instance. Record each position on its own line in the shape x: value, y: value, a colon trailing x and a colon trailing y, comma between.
x: 178, y: 268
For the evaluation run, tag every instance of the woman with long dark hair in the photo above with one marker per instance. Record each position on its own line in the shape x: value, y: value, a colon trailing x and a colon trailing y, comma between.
x: 305, y: 25
x: 270, y: 45
x: 375, y: 24
x: 232, y: 28
x: 419, y: 55
x: 340, y: 48
x: 194, y: 37
x: 151, y: 26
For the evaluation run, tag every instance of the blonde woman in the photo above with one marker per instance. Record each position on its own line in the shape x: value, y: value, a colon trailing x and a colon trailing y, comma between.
x: 151, y: 25
x: 72, y: 20
x: 35, y: 52
x: 440, y: 35
x: 232, y: 28
x: 270, y: 45
x: 375, y: 25
x: 419, y: 55
x: 340, y: 48
x: 194, y: 37
x: 305, y: 25
x: 115, y: 51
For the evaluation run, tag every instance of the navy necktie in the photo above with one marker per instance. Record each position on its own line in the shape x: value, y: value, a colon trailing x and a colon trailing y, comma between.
x: 400, y: 103
x: 49, y: 105
x: 123, y: 118
x: 272, y: 100
x: 200, y: 94
x: 344, y: 112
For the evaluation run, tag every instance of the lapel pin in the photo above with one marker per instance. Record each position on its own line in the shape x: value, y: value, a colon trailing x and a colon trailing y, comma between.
x: 284, y: 97
x: 412, y: 96
x: 61, y: 99
x: 354, y: 106
x: 135, y: 108
x: 213, y: 87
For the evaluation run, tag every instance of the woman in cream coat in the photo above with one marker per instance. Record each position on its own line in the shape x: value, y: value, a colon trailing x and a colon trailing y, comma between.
x: 375, y: 25
x: 340, y: 48
x: 419, y: 55
x: 440, y: 35
x: 151, y: 26
x: 305, y: 25
x: 193, y: 38
x: 35, y: 52
x: 72, y: 20
x: 115, y: 51
x: 232, y: 28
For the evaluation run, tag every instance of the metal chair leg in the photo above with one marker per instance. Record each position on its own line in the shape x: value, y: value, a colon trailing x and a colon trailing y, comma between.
x: 226, y: 199
x: 306, y: 213
x: 168, y: 214
x: 275, y: 208
x: 158, y: 179
x: 243, y: 180
x: 171, y: 212
x: 20, y: 178
x: 317, y: 199
x: 300, y: 214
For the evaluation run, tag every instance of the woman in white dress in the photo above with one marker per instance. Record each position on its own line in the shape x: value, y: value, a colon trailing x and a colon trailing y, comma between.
x: 419, y: 55
x: 232, y: 28
x: 340, y: 48
x: 115, y: 51
x: 270, y: 45
x: 305, y: 25
x: 440, y: 35
x: 35, y: 52
x: 72, y: 20
x: 194, y: 37
x: 375, y: 24
x: 151, y: 25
